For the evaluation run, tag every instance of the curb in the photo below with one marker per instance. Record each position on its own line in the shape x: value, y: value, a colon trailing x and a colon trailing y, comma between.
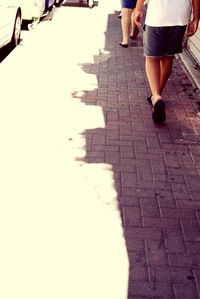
x: 191, y: 67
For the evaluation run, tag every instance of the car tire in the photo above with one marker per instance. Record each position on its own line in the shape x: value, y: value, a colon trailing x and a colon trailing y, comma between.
x: 17, y: 30
x: 58, y: 2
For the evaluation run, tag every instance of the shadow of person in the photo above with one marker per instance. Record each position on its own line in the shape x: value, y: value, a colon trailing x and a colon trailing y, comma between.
x: 124, y: 144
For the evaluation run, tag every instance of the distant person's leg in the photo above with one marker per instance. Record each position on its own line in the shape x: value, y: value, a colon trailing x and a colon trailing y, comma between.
x: 125, y: 23
x: 120, y: 15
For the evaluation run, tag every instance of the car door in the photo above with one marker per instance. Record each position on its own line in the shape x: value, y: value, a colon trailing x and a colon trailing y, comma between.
x: 32, y: 9
x: 5, y: 23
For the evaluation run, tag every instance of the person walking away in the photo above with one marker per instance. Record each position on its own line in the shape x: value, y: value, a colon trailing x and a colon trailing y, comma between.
x: 165, y: 25
x: 128, y: 22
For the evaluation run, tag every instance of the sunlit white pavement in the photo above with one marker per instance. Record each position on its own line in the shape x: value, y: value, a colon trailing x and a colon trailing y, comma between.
x: 60, y: 228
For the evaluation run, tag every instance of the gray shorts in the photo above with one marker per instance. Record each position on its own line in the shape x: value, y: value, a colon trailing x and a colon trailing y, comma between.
x: 160, y: 41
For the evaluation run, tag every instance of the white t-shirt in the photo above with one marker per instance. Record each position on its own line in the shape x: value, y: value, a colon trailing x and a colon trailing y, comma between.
x: 168, y: 12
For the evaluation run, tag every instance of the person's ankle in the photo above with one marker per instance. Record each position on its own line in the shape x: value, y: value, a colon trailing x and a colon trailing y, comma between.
x: 124, y: 42
x: 155, y: 99
x: 134, y: 31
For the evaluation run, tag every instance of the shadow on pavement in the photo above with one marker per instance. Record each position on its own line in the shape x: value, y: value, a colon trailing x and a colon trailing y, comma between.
x: 4, y: 52
x: 130, y: 143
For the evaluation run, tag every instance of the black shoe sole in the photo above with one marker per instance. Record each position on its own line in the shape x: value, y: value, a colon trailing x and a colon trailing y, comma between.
x: 123, y: 45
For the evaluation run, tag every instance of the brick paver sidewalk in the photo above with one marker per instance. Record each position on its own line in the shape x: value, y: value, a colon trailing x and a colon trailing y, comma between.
x: 79, y: 149
x: 156, y: 170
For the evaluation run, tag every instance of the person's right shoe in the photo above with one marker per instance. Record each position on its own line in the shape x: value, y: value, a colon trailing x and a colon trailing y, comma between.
x: 158, y: 113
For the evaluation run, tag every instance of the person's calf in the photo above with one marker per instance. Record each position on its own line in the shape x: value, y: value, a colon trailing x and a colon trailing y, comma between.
x: 125, y: 24
x: 152, y: 65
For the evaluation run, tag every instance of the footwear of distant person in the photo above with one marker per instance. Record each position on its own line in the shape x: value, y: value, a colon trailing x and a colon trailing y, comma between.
x: 123, y: 45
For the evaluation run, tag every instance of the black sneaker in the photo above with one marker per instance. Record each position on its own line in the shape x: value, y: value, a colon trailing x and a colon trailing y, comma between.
x: 158, y: 113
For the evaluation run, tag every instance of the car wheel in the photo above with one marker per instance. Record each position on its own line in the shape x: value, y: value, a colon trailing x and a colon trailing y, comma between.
x: 58, y: 2
x: 17, y: 30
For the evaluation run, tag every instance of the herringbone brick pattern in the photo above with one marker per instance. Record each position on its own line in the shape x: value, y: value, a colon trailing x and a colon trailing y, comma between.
x: 97, y: 196
x: 156, y: 169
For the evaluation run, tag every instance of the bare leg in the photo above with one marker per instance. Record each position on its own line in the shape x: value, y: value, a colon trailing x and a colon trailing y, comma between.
x: 158, y: 70
x: 125, y: 23
x: 153, y: 72
x: 166, y: 64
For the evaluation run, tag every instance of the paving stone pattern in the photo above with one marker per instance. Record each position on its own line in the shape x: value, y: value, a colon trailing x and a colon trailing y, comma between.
x: 63, y: 169
x: 156, y: 169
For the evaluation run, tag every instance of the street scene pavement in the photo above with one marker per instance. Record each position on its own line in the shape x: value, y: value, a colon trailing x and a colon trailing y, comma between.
x: 97, y: 201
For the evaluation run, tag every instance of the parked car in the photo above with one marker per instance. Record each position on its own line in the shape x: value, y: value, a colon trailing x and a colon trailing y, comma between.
x: 33, y: 10
x: 10, y: 23
x: 49, y: 4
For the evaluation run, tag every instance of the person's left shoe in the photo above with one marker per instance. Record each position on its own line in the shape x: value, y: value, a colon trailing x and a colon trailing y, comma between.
x: 158, y: 113
x: 123, y: 45
x: 149, y: 100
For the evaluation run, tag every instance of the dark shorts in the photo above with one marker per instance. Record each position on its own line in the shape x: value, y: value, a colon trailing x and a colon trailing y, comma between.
x: 160, y: 41
x: 128, y: 3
